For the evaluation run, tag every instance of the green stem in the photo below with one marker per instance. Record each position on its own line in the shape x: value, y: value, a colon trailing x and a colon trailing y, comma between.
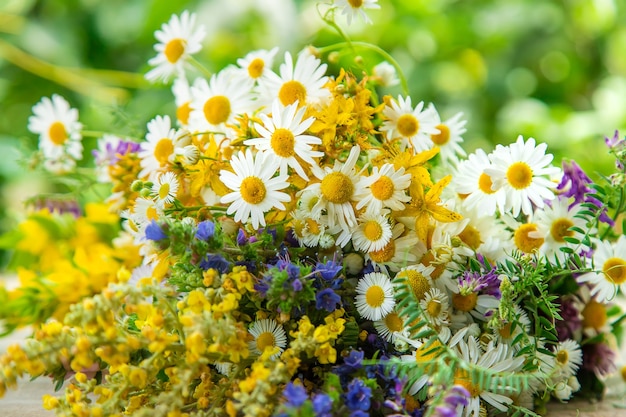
x: 378, y: 50
x: 200, y: 67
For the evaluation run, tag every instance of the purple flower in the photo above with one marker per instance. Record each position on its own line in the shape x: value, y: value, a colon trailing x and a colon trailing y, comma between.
x: 488, y: 283
x: 327, y: 299
x: 295, y: 394
x: 571, y: 322
x: 296, y: 285
x: 213, y: 261
x: 574, y: 182
x: 327, y: 270
x: 112, y: 152
x: 457, y: 395
x: 154, y: 232
x: 358, y: 396
x: 322, y: 405
x: 206, y: 230
x: 59, y: 206
x: 241, y: 238
x: 598, y: 358
x: 359, y: 413
x: 615, y: 141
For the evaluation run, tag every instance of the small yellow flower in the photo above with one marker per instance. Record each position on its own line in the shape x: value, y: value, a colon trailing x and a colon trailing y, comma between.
x: 50, y: 402
x: 325, y: 353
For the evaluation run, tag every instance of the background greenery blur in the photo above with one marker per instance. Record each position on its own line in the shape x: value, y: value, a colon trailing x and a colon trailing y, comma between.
x: 552, y: 69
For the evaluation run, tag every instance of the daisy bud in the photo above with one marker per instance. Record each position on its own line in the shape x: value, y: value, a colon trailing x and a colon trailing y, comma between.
x: 136, y: 186
x: 353, y: 263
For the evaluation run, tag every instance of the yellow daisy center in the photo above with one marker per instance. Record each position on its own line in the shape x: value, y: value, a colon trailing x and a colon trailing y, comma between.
x: 471, y: 237
x: 462, y: 378
x: 57, y: 133
x: 182, y: 113
x: 442, y: 137
x: 163, y: 150
x: 393, y: 322
x: 265, y: 340
x: 152, y: 214
x: 383, y: 188
x: 560, y: 229
x: 428, y: 259
x: 485, y: 184
x: 615, y: 270
x: 255, y: 69
x: 312, y: 226
x: 174, y: 50
x: 524, y: 242
x: 433, y: 308
x: 356, y: 3
x: 428, y: 353
x: 562, y: 357
x: 282, y: 142
x: 519, y: 175
x: 594, y: 315
x: 372, y: 230
x: 385, y: 254
x: 217, y: 109
x: 252, y: 190
x: 337, y: 188
x: 164, y: 190
x: 408, y: 125
x: 418, y: 282
x: 291, y: 91
x: 505, y: 331
x: 465, y: 302
x: 375, y: 296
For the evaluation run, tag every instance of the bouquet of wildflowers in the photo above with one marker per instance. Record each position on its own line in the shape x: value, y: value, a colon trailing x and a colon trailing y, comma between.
x: 297, y: 243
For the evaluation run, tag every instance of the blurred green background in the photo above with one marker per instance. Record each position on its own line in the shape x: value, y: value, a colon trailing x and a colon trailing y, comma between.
x: 552, y: 69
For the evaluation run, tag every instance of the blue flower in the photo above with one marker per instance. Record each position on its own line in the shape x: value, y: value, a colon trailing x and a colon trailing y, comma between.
x: 354, y: 359
x: 358, y: 396
x: 154, y: 232
x: 206, y: 230
x: 295, y: 395
x: 327, y: 270
x: 322, y: 405
x: 327, y: 299
x: 241, y: 238
x: 212, y: 261
x: 296, y: 285
x: 359, y: 413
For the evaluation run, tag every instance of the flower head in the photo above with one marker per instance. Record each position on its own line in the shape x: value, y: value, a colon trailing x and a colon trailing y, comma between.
x: 178, y: 40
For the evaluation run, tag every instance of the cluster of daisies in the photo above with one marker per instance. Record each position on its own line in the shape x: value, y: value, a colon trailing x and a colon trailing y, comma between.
x: 349, y: 203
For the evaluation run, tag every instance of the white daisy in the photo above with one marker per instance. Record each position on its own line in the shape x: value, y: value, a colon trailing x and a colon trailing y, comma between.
x: 385, y: 187
x: 303, y: 82
x: 178, y: 40
x: 59, y: 131
x: 282, y: 135
x: 525, y: 234
x: 256, y: 65
x: 554, y: 224
x: 609, y: 274
x: 399, y: 252
x: 375, y: 297
x: 425, y: 354
x: 390, y: 325
x: 417, y: 278
x: 353, y: 8
x: 520, y: 170
x: 268, y: 334
x: 372, y: 233
x: 158, y: 151
x: 475, y: 186
x: 495, y: 358
x: 309, y: 230
x: 568, y: 358
x: 449, y: 137
x: 486, y: 235
x: 215, y: 104
x: 436, y: 307
x: 413, y: 125
x: 337, y: 189
x: 255, y: 188
x: 165, y: 188
x: 142, y: 275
